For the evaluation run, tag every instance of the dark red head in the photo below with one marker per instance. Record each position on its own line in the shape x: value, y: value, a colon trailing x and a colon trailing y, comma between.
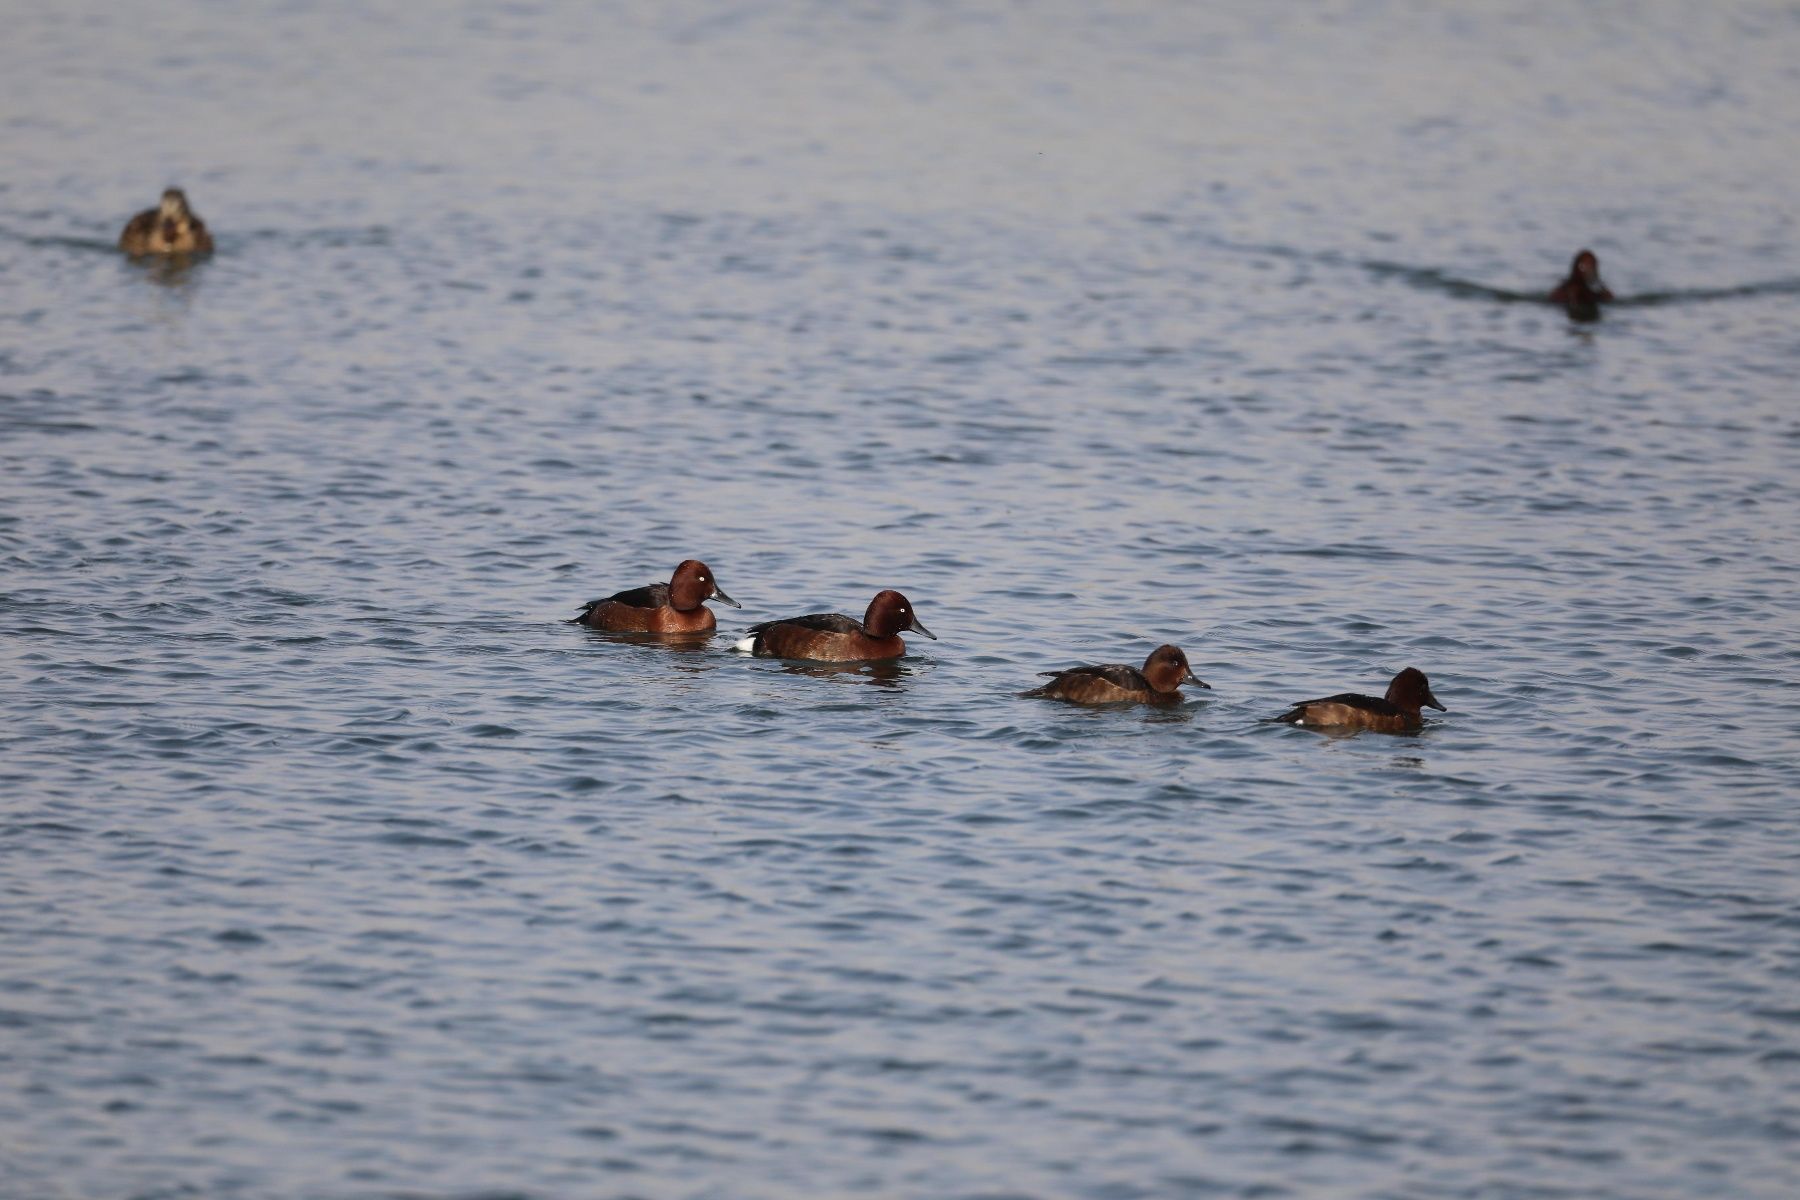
x: 693, y: 584
x: 889, y: 614
x: 1585, y: 267
x: 1411, y: 690
x: 1167, y: 669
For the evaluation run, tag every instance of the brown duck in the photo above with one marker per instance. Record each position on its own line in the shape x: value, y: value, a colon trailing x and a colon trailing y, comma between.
x: 169, y: 229
x: 1583, y: 292
x: 1397, y: 712
x: 678, y: 606
x: 1115, y: 683
x: 834, y: 637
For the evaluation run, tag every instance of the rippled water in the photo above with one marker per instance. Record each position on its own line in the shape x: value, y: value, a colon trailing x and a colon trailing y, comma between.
x: 336, y: 864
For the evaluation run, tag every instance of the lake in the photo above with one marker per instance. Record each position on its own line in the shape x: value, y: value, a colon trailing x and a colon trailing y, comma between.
x: 334, y: 862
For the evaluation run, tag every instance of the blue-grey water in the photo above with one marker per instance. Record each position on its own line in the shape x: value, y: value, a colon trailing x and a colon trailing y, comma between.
x: 335, y: 864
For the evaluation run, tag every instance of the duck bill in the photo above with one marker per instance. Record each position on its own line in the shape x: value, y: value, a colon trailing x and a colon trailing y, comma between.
x: 1433, y: 702
x: 718, y: 593
x: 920, y: 629
x: 1197, y: 681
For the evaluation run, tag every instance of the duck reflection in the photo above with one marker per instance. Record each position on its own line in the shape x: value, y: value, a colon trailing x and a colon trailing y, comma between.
x: 179, y: 274
x: 882, y: 672
x: 681, y: 644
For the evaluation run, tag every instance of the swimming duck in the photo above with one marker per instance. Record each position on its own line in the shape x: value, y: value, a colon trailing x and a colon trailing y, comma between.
x: 834, y: 637
x: 678, y: 606
x: 1115, y: 683
x: 172, y: 228
x: 1582, y: 293
x: 1397, y: 712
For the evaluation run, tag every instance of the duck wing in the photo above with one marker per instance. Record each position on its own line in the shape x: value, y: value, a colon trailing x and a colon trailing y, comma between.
x: 1117, y: 674
x: 137, y: 230
x: 825, y: 622
x: 655, y: 595
x: 1371, y: 704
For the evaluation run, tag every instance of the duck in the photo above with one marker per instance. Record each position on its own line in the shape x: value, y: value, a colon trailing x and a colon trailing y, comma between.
x: 170, y: 229
x: 1583, y: 292
x: 678, y: 606
x: 1159, y: 682
x: 835, y: 637
x: 1397, y: 712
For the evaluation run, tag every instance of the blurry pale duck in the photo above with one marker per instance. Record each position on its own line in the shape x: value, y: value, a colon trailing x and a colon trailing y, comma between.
x: 171, y: 228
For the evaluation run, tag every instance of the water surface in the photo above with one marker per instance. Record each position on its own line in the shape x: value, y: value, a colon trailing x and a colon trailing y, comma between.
x: 336, y: 864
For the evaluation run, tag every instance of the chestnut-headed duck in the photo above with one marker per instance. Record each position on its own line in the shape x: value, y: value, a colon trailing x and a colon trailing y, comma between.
x: 1114, y: 683
x: 834, y: 637
x: 678, y: 606
x: 169, y: 229
x: 1397, y: 712
x: 1583, y: 292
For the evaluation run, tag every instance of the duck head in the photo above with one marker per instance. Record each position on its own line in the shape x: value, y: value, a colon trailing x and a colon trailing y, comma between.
x: 1167, y: 669
x: 693, y: 584
x: 891, y: 614
x: 1411, y: 690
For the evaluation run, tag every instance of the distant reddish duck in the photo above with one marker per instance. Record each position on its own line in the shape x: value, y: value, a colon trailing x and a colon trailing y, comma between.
x: 834, y: 637
x: 1583, y: 292
x: 678, y: 606
x: 1398, y: 712
x: 170, y: 229
x: 1114, y: 683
